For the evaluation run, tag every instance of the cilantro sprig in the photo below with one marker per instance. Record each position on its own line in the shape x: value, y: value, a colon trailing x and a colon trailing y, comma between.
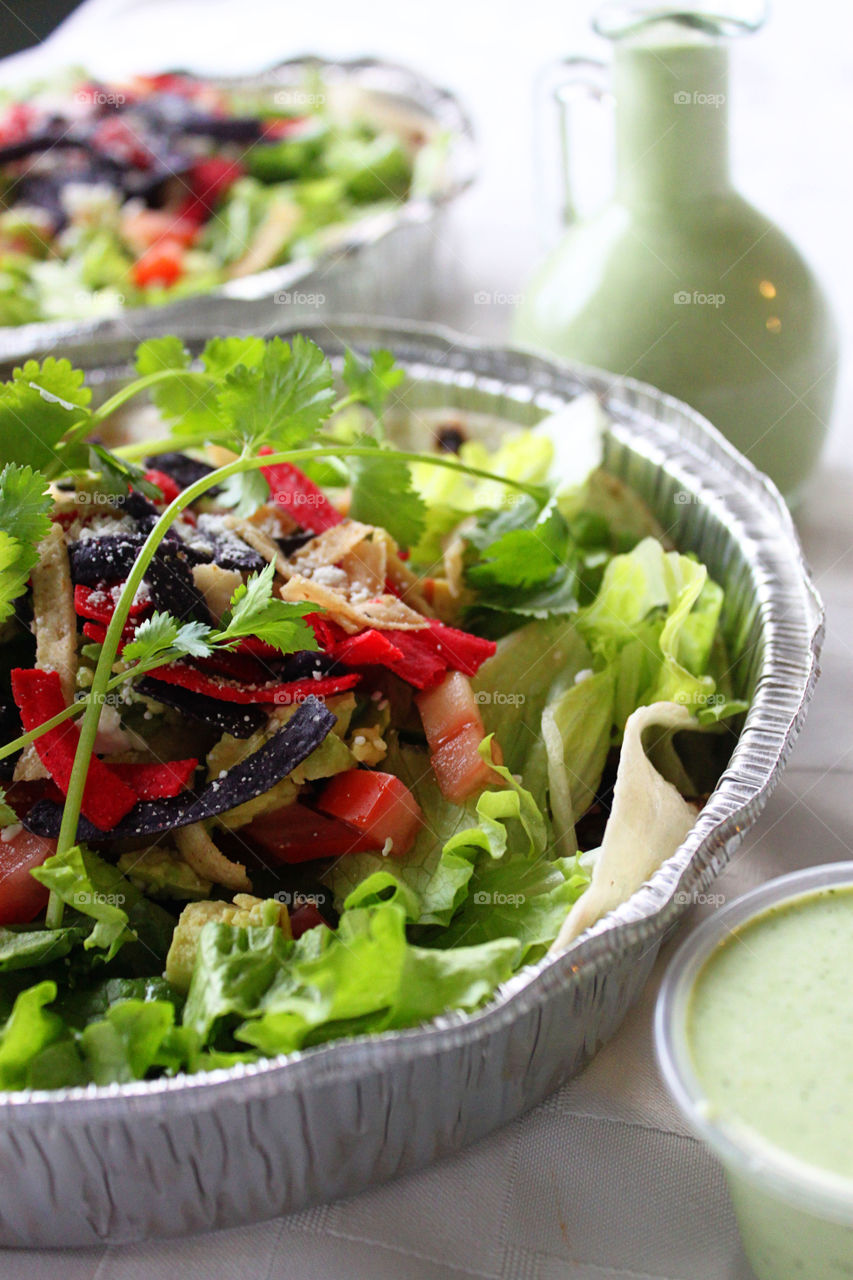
x: 244, y: 394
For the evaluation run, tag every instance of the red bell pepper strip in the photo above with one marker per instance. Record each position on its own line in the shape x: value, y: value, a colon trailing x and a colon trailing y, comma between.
x: 156, y: 781
x: 328, y: 633
x: 98, y: 604
x: 97, y: 632
x: 460, y: 650
x: 408, y: 659
x: 38, y: 696
x: 300, y: 497
x: 258, y: 648
x: 282, y: 694
x: 419, y: 657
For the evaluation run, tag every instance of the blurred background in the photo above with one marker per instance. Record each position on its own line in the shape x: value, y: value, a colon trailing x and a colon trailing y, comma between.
x: 792, y: 90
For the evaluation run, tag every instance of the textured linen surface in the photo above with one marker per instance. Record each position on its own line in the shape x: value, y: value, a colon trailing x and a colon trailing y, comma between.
x: 601, y: 1182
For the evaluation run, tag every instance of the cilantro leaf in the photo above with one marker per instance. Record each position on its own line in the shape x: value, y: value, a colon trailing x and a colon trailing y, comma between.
x: 161, y: 638
x: 521, y: 557
x: 371, y: 384
x: 222, y: 355
x: 57, y: 378
x: 522, y: 564
x: 116, y: 475
x: 38, y: 408
x: 244, y: 492
x: 156, y: 354
x: 24, y: 507
x: 282, y: 401
x: 382, y: 494
x: 255, y: 611
x: 187, y: 401
x: 24, y: 521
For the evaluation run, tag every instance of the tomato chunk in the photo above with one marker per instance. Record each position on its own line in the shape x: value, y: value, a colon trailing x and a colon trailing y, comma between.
x: 162, y: 264
x: 454, y: 730
x: 298, y: 834
x: 378, y: 805
x: 22, y: 897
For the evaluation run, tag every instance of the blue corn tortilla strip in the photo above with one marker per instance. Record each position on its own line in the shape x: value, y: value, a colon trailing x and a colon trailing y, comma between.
x: 240, y: 720
x: 213, y: 540
x: 170, y: 582
x: 111, y: 557
x: 260, y: 771
x: 183, y: 469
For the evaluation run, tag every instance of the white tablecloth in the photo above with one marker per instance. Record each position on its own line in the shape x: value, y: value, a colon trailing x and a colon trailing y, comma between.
x: 601, y: 1182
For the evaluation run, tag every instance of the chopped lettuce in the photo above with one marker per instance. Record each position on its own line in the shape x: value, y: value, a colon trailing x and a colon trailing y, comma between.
x: 365, y: 976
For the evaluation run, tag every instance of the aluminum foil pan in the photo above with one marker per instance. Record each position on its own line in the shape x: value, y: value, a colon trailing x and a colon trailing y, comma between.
x: 84, y: 1166
x: 387, y: 263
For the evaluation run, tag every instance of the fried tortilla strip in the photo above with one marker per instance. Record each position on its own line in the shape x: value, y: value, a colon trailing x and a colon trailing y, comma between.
x: 55, y: 624
x: 199, y: 852
x: 647, y: 823
x: 384, y: 611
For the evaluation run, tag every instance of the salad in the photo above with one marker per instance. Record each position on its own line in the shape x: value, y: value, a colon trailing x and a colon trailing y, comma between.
x: 124, y: 195
x: 306, y: 735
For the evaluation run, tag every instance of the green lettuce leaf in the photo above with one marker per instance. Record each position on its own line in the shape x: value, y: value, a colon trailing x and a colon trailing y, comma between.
x: 36, y: 1048
x: 365, y: 976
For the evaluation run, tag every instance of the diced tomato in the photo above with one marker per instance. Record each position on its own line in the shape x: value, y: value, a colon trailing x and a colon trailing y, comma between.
x: 459, y: 769
x: 379, y: 805
x: 298, y: 834
x: 448, y: 708
x: 169, y: 488
x: 454, y: 730
x: 304, y: 918
x: 162, y: 264
x: 22, y: 897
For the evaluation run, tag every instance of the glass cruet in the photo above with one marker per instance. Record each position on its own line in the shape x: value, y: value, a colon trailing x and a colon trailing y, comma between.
x: 676, y: 279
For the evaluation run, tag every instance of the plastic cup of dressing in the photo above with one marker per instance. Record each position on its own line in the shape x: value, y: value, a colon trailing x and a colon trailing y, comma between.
x: 754, y: 1037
